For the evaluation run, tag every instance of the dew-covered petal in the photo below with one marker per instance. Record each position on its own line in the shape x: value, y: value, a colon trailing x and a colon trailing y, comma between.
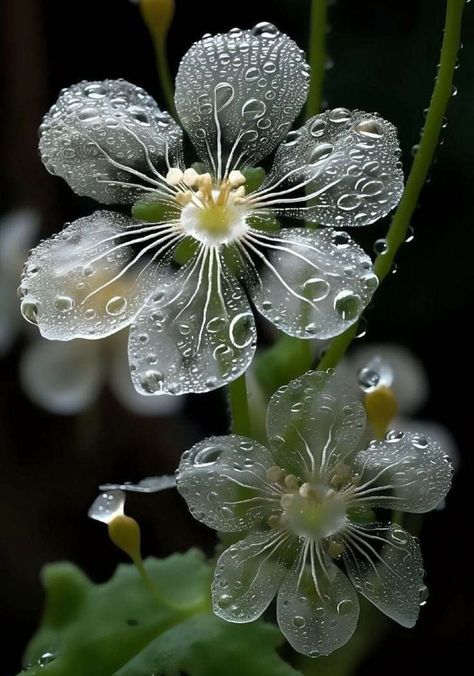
x: 98, y: 135
x: 223, y: 480
x: 340, y: 169
x: 120, y: 382
x: 317, y: 610
x: 314, y: 423
x: 432, y: 430
x: 313, y: 283
x: 151, y: 484
x: 195, y: 334
x: 64, y: 378
x: 238, y: 94
x: 248, y: 575
x: 385, y: 565
x: 68, y: 286
x: 407, y: 472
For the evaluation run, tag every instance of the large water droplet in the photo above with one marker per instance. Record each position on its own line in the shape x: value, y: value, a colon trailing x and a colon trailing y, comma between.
x: 253, y: 109
x: 116, y: 305
x: 348, y: 305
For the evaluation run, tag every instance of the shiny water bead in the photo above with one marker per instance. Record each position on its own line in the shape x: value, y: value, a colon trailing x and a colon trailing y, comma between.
x: 348, y: 165
x: 99, y: 133
x: 240, y: 92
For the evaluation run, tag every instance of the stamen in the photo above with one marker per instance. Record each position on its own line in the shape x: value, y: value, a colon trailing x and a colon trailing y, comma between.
x: 275, y: 474
x: 184, y: 198
x: 190, y: 177
x: 174, y: 176
x: 236, y: 179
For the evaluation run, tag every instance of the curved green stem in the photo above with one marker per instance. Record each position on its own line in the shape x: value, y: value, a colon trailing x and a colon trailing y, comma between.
x: 317, y: 55
x: 419, y: 171
x: 164, y: 74
x: 239, y: 407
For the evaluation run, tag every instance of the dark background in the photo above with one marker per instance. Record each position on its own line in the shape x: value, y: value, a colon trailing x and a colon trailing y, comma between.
x: 385, y: 55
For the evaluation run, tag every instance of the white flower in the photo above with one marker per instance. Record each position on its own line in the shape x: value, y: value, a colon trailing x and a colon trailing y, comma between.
x: 237, y: 96
x: 306, y: 507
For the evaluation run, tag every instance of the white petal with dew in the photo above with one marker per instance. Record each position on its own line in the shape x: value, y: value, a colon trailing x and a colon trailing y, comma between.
x: 223, y: 480
x: 314, y: 284
x: 340, y: 169
x: 407, y: 472
x: 391, y: 576
x: 314, y: 423
x: 121, y: 384
x: 317, y: 609
x: 248, y: 575
x: 196, y: 334
x: 151, y: 484
x: 63, y: 378
x: 87, y: 281
x: 238, y: 94
x: 109, y: 141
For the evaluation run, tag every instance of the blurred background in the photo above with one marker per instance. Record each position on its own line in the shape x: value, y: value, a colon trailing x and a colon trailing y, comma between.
x: 383, y: 57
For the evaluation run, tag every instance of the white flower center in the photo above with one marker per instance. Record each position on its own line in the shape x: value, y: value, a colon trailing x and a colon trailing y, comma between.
x: 315, y: 511
x: 212, y: 214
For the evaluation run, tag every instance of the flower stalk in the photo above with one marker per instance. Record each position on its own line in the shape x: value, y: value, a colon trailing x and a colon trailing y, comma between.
x: 239, y: 407
x: 397, y: 233
x: 317, y: 55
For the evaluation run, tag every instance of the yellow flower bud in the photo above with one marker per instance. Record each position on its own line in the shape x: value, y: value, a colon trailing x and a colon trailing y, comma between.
x: 158, y: 16
x: 381, y: 407
x: 125, y: 533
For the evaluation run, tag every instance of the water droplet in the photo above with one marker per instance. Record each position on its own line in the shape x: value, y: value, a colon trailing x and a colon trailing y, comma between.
x: 380, y: 246
x: 348, y: 305
x: 253, y: 109
x: 368, y: 379
x: 316, y: 289
x: 318, y: 128
x: 394, y: 435
x: 298, y: 621
x: 321, y: 152
x: 369, y: 128
x: 64, y: 303
x: 420, y: 442
x: 208, y: 456
x: 339, y: 115
x: 399, y: 536
x: 116, y: 305
x: 30, y: 311
x: 265, y: 30
x: 152, y: 381
x: 46, y: 658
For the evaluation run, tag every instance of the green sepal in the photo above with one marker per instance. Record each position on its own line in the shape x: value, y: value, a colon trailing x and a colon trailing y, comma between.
x: 254, y: 177
x: 150, y: 211
x: 185, y: 250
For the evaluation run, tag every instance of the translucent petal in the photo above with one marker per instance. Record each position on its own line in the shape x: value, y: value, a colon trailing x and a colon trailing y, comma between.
x: 396, y: 367
x: 390, y: 577
x: 248, y: 575
x: 313, y: 423
x: 344, y: 165
x: 107, y: 506
x: 121, y: 384
x: 432, y: 430
x: 196, y: 334
x: 97, y: 131
x: 238, y: 94
x: 317, y: 611
x: 315, y: 283
x: 151, y: 484
x: 414, y: 471
x: 223, y: 480
x: 67, y: 287
x: 64, y: 378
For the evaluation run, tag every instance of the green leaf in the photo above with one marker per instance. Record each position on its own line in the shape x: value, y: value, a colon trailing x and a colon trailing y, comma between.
x: 119, y: 627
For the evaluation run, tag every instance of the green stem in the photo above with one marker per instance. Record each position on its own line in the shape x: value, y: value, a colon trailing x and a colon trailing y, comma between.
x: 239, y: 407
x: 317, y: 55
x: 164, y: 73
x: 397, y: 233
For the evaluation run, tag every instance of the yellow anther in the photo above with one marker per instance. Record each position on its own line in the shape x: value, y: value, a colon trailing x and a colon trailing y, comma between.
x: 381, y: 407
x: 236, y: 179
x: 239, y: 193
x: 275, y: 474
x: 184, y: 198
x: 174, y: 176
x: 125, y: 533
x: 335, y: 549
x: 274, y: 521
x: 307, y: 491
x: 291, y: 482
x: 190, y: 177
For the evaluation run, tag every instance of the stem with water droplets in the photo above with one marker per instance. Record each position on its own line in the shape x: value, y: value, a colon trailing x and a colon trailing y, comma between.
x: 397, y: 233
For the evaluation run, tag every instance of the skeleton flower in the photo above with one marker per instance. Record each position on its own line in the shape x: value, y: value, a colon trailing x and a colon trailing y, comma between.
x: 308, y: 508
x: 237, y: 96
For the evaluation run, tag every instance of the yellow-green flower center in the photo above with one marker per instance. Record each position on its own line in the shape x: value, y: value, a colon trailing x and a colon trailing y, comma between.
x: 315, y: 511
